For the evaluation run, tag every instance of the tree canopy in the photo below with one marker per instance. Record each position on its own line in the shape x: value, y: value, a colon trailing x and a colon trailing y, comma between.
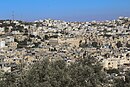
x: 86, y: 72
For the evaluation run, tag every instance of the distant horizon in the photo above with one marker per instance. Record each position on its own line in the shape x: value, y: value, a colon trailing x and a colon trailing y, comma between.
x: 67, y: 10
x: 66, y: 20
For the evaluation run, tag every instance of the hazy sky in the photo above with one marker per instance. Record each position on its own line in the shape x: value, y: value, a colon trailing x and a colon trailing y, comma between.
x: 68, y: 10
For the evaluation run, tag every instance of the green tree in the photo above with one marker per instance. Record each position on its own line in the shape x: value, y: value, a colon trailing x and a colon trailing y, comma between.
x: 86, y: 72
x: 8, y: 80
x: 124, y: 81
x: 46, y: 74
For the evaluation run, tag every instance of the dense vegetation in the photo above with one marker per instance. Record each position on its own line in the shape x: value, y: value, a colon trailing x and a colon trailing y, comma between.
x: 86, y: 72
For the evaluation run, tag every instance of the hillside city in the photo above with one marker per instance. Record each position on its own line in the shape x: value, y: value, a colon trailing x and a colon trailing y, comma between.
x: 23, y: 43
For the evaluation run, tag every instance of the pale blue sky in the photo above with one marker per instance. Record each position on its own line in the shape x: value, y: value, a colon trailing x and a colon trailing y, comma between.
x: 68, y: 10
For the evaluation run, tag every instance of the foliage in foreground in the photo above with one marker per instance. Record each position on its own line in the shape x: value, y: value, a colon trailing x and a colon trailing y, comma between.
x: 86, y: 72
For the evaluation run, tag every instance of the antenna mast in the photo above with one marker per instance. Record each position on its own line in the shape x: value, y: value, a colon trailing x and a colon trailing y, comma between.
x: 13, y: 15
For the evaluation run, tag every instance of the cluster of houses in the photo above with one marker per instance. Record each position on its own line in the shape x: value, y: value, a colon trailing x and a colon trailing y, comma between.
x: 24, y: 43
